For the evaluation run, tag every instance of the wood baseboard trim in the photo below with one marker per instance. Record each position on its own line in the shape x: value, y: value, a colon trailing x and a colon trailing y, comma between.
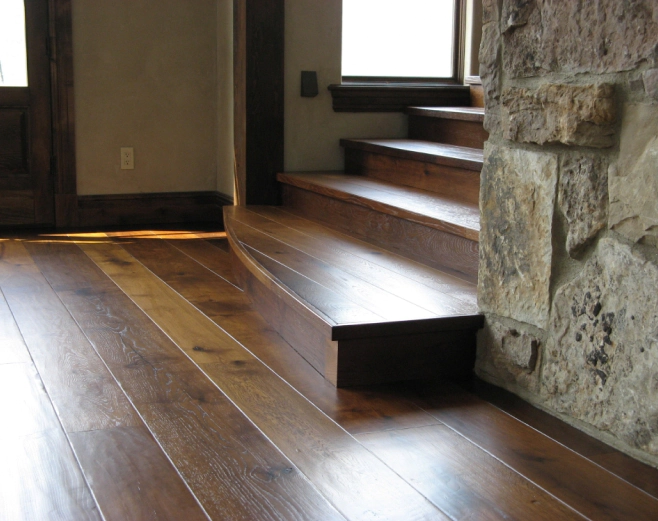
x: 150, y: 208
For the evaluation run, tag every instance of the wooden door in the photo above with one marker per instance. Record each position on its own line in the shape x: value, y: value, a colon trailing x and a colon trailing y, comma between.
x: 26, y: 183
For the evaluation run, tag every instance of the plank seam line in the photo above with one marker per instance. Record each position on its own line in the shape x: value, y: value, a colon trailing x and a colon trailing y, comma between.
x: 359, y: 277
x: 201, y: 264
x: 215, y: 383
x: 130, y: 401
x: 508, y: 465
x: 50, y: 400
x: 573, y: 451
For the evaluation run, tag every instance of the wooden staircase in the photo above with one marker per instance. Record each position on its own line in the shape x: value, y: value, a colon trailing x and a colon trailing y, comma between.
x: 370, y: 274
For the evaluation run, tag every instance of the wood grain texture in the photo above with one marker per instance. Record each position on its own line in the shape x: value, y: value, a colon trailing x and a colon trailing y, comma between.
x: 40, y: 477
x: 451, y: 182
x: 381, y: 303
x: 629, y: 469
x: 83, y: 391
x: 573, y: 479
x: 308, y: 336
x: 131, y: 476
x: 360, y: 251
x: 394, y: 346
x: 337, y: 254
x: 16, y: 207
x: 477, y: 95
x: 208, y: 255
x: 228, y: 464
x: 459, y: 132
x: 448, y: 214
x: 92, y: 407
x: 441, y: 250
x: 353, y: 480
x: 356, y: 410
x: 464, y: 481
x: 12, y: 347
x: 423, y: 151
x: 475, y: 114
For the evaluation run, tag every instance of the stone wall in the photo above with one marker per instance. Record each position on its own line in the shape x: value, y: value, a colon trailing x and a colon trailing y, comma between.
x: 569, y: 199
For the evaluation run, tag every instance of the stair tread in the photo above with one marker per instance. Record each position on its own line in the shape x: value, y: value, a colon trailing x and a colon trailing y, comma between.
x: 425, y: 151
x: 349, y: 295
x: 461, y: 113
x: 450, y: 214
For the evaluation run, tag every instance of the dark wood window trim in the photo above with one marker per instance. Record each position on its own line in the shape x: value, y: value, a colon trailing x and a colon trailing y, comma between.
x: 61, y: 72
x: 395, y: 98
x: 363, y: 94
x: 258, y: 75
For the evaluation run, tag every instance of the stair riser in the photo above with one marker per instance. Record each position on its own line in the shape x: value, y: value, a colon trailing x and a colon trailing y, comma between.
x: 398, y: 358
x: 365, y: 361
x: 477, y: 96
x: 308, y: 340
x: 427, y: 245
x: 449, y: 131
x: 449, y: 181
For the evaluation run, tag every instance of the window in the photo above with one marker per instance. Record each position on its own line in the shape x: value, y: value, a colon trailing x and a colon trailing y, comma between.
x: 399, y: 39
x: 400, y: 53
x: 13, y: 54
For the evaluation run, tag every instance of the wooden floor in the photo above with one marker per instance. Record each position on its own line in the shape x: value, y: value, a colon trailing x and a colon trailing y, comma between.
x: 137, y: 382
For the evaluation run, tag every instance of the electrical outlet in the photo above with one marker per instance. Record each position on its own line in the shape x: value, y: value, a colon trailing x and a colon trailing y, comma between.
x: 127, y: 158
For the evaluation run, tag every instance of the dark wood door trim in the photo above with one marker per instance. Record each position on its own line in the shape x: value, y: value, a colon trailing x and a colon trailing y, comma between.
x: 258, y: 27
x: 61, y: 71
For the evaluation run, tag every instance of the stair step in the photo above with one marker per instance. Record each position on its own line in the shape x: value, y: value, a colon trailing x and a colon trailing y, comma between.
x: 431, y: 228
x: 457, y: 216
x: 354, y: 319
x: 453, y: 126
x: 424, y: 151
x: 453, y: 171
x: 458, y: 113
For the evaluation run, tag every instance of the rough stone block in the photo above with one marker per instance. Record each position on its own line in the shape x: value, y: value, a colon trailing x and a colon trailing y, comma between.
x: 543, y: 36
x: 600, y: 364
x: 650, y: 80
x: 490, y: 11
x: 516, y: 199
x: 508, y: 354
x: 555, y: 113
x: 490, y: 76
x: 583, y: 198
x: 633, y: 182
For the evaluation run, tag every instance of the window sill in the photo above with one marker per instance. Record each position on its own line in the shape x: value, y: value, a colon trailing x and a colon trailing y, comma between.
x: 396, y: 97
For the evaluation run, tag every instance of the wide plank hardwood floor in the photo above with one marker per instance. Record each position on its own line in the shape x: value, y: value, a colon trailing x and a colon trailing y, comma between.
x: 138, y: 382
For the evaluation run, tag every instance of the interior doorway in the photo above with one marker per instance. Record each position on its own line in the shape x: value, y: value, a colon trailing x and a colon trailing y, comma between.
x: 26, y: 176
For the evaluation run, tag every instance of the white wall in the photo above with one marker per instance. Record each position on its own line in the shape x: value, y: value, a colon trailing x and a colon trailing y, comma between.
x: 312, y: 128
x: 146, y: 76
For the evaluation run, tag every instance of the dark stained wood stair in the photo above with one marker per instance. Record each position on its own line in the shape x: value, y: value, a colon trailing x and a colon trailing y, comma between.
x: 371, y: 273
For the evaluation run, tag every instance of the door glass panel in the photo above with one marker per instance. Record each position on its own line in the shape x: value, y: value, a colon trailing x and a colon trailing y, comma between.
x: 13, y: 56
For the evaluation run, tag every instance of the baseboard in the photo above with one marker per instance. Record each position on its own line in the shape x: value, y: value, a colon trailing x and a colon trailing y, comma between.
x: 150, y: 208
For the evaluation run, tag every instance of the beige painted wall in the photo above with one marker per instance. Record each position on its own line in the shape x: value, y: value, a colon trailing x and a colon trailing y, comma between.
x: 312, y: 128
x: 225, y: 97
x: 146, y: 77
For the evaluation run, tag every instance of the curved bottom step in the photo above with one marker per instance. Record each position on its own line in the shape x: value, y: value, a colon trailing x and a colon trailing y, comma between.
x: 358, y: 314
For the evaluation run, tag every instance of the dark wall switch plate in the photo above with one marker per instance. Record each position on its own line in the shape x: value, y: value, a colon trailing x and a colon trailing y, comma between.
x: 309, y: 84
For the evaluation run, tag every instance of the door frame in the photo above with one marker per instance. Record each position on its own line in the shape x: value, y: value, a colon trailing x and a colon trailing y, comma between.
x: 63, y: 165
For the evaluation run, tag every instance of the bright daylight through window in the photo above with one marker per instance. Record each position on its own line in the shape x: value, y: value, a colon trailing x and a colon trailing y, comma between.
x: 398, y: 38
x: 13, y: 57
